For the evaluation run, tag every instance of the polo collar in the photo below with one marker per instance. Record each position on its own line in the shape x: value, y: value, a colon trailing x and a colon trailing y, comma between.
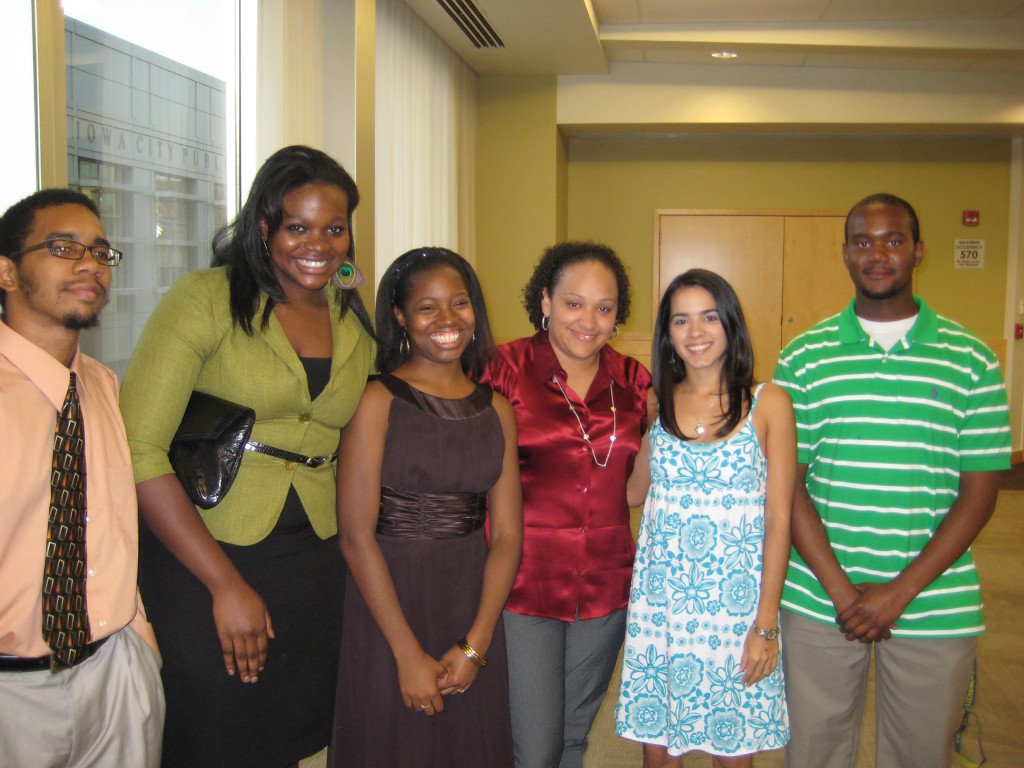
x: 925, y: 329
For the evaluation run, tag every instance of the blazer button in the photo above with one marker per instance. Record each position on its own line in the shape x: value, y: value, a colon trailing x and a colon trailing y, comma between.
x: 289, y: 465
x: 305, y: 418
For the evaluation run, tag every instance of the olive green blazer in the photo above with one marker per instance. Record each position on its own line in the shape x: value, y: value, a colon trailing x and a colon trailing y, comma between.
x: 190, y: 343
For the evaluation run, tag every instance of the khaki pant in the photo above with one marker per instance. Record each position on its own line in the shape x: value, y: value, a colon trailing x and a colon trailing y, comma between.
x: 108, y: 712
x: 920, y: 687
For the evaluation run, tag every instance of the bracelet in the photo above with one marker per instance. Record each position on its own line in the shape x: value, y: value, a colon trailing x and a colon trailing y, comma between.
x: 471, y: 653
x: 767, y: 634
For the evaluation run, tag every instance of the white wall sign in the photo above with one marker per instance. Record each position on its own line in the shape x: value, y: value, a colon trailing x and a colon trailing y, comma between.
x: 968, y: 254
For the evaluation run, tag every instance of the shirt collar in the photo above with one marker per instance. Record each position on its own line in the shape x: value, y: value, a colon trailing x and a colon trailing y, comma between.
x: 546, y: 363
x: 925, y: 329
x: 38, y: 365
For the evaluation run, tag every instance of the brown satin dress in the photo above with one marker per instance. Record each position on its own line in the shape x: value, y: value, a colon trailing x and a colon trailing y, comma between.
x: 440, y: 459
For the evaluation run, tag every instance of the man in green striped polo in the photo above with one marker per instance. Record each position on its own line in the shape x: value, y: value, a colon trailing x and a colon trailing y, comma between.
x: 902, y: 426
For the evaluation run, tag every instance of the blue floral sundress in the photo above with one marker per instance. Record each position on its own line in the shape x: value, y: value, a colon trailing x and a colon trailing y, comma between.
x: 694, y: 594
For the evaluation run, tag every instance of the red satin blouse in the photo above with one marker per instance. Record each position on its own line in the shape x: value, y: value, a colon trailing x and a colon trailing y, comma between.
x: 577, y: 544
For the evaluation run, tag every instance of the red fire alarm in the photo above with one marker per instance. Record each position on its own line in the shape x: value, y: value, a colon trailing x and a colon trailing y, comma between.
x: 971, y: 218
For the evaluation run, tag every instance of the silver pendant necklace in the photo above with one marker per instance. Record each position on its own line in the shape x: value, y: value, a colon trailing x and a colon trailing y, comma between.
x: 586, y: 437
x: 700, y: 429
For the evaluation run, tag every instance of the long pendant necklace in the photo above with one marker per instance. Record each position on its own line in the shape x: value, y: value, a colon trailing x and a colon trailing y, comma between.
x: 586, y: 437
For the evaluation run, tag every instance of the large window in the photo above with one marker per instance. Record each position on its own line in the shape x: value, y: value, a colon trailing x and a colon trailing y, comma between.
x: 150, y: 129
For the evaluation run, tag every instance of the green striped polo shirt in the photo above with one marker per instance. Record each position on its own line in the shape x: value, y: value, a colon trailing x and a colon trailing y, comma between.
x: 885, y: 435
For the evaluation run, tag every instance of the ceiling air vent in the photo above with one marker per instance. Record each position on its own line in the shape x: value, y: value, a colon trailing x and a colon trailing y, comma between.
x: 472, y: 23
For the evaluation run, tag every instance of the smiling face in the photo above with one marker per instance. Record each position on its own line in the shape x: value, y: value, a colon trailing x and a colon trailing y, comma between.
x: 46, y: 293
x: 581, y: 311
x: 696, y: 330
x: 311, y: 242
x: 881, y: 256
x: 438, y: 315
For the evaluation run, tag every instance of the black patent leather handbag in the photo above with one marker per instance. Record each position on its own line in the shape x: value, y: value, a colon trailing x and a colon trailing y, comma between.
x: 207, y: 449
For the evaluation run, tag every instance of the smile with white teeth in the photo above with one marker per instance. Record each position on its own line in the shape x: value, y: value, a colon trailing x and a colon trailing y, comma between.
x: 698, y: 347
x: 446, y: 337
x: 313, y: 263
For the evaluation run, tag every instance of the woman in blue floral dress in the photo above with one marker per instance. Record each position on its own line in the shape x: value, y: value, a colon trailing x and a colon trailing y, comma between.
x: 701, y: 664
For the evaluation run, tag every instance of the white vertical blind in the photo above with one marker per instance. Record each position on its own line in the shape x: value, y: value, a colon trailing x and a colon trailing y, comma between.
x: 425, y: 139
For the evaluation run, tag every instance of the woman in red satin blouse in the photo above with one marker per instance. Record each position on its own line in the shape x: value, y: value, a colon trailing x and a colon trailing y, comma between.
x: 581, y: 410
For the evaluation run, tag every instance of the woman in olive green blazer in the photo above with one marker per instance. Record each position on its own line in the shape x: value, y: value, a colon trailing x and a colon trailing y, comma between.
x: 246, y: 597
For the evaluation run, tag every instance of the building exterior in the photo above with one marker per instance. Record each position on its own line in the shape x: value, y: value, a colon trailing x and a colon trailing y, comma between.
x: 147, y: 140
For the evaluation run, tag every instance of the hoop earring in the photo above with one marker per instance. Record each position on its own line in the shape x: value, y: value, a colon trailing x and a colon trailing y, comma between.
x: 615, y: 332
x: 544, y: 323
x: 403, y: 345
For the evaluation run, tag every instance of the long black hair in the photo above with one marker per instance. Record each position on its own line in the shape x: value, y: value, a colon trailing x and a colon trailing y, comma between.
x: 552, y: 265
x: 393, y: 291
x: 240, y: 245
x: 738, y: 365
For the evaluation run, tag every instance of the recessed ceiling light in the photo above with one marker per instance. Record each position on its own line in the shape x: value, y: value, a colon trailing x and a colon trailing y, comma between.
x: 724, y: 55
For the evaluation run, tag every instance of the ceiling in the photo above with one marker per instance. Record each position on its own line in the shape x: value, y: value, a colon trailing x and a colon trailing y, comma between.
x: 562, y: 37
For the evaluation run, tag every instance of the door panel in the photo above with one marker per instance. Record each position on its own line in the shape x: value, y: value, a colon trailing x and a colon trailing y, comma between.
x: 746, y: 251
x: 815, y: 283
x: 787, y: 268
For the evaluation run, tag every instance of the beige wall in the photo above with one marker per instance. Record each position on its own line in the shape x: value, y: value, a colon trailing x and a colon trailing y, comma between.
x: 615, y: 184
x: 519, y: 190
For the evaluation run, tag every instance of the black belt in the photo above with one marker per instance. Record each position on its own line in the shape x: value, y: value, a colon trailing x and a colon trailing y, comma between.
x: 298, y: 458
x: 49, y: 661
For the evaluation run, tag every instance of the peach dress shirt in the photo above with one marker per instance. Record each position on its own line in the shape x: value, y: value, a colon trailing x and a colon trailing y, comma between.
x: 32, y: 389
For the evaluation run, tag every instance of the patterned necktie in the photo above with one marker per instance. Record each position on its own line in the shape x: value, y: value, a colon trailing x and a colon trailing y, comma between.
x: 65, y: 620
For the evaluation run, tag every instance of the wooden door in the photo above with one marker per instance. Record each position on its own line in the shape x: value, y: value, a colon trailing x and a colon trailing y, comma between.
x: 815, y: 283
x: 786, y: 268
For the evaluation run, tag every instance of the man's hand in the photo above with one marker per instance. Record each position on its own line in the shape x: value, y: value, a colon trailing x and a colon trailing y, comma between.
x: 872, y: 616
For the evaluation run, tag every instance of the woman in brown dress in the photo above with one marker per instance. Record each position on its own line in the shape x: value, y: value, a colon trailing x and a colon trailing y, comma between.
x: 429, y: 457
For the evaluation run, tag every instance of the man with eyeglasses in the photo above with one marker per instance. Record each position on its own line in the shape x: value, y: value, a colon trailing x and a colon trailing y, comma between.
x: 79, y: 671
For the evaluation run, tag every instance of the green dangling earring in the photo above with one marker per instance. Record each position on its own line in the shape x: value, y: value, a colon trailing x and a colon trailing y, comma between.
x: 348, y: 276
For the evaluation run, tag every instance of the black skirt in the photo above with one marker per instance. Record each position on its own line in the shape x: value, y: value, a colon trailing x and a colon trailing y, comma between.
x: 213, y: 719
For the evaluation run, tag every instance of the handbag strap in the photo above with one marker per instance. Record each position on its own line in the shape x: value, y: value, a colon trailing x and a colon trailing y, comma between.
x: 280, y: 453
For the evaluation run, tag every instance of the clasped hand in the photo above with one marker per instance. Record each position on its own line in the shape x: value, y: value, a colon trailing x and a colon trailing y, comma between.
x: 424, y: 680
x: 872, y: 614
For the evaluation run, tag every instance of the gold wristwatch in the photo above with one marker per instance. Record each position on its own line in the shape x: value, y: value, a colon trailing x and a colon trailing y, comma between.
x: 767, y: 634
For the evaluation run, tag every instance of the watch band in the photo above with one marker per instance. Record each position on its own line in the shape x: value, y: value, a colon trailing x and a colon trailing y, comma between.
x: 767, y: 634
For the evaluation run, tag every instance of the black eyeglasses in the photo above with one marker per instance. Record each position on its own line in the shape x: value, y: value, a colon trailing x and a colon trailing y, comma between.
x: 73, y: 251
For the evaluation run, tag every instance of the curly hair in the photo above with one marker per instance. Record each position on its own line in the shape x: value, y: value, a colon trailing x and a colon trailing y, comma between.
x: 667, y: 370
x: 240, y: 245
x: 393, y: 291
x: 552, y: 266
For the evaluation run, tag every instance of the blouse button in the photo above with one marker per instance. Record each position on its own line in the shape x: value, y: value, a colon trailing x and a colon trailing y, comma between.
x: 305, y: 418
x: 289, y: 465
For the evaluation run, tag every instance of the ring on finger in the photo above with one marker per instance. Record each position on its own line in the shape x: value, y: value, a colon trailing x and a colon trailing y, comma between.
x: 428, y: 705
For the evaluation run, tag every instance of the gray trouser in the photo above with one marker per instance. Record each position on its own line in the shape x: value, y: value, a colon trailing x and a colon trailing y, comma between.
x: 558, y: 675
x: 107, y: 712
x: 920, y: 687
